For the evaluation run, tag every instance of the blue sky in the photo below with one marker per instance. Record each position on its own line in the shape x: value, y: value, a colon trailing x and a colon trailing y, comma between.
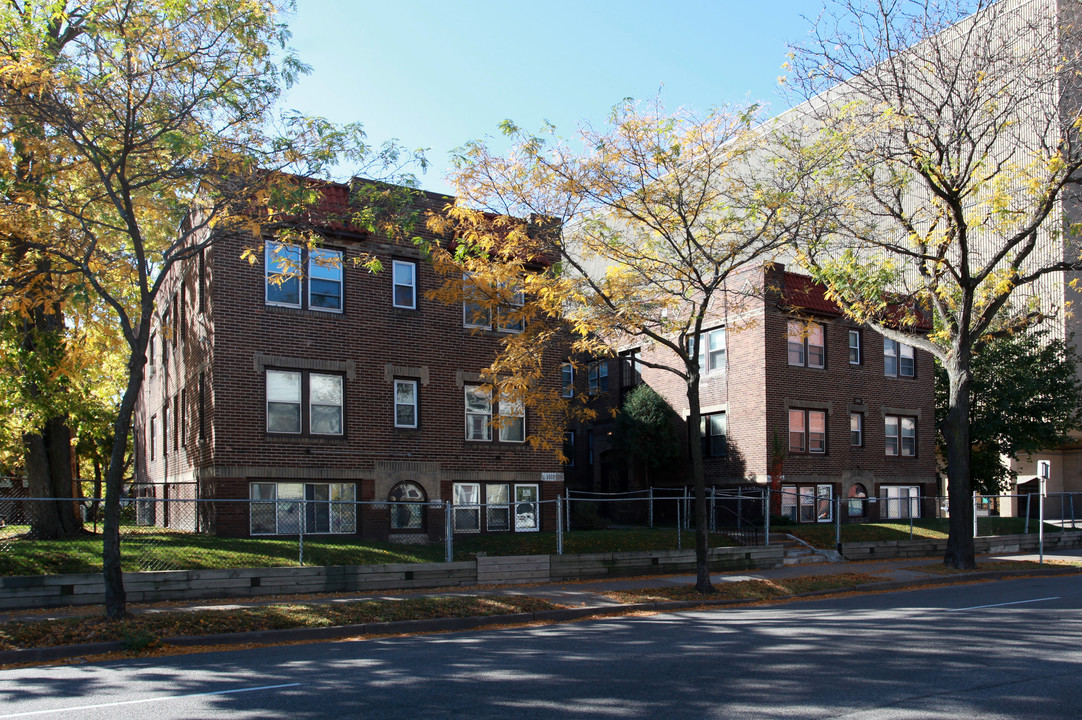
x: 436, y: 74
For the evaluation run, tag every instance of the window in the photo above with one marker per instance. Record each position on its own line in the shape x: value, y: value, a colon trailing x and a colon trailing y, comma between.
x: 183, y: 316
x: 712, y: 353
x: 569, y: 448
x: 497, y: 507
x: 567, y: 380
x: 527, y: 518
x: 475, y: 310
x: 165, y: 429
x: 478, y: 413
x: 404, y: 275
x: 285, y: 390
x: 283, y: 271
x: 589, y: 447
x: 467, y: 507
x: 512, y: 421
x: 630, y: 374
x: 857, y: 496
x: 807, y: 431
x: 511, y: 302
x: 901, y: 502
x: 856, y: 429
x: 712, y: 430
x: 407, y: 501
x: 283, y: 282
x: 900, y: 435
x: 311, y: 508
x: 599, y: 377
x: 854, y: 347
x: 806, y: 344
x: 324, y: 279
x: 202, y: 279
x: 405, y: 403
x: 153, y: 441
x: 166, y: 331
x: 184, y: 417
x: 898, y: 359
x: 202, y: 406
x: 808, y: 503
x: 176, y: 423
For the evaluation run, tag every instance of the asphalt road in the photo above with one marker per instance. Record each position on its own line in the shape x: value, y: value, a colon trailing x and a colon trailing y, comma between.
x: 994, y: 650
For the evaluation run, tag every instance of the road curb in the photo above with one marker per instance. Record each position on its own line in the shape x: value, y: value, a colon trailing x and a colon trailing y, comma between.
x: 435, y: 625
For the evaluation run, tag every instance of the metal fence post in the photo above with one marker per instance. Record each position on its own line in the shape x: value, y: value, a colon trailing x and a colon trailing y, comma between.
x: 1029, y: 500
x: 559, y: 527
x: 766, y: 515
x: 679, y: 522
x: 567, y: 510
x: 650, y: 510
x: 713, y: 511
x: 975, y: 496
x: 1040, y: 528
x: 838, y: 524
x: 300, y: 535
x: 448, y: 532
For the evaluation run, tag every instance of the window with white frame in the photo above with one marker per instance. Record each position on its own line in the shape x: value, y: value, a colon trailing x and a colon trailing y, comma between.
x: 498, y: 507
x: 711, y: 353
x: 404, y: 279
x: 475, y: 305
x: 466, y: 498
x: 295, y: 507
x: 854, y: 347
x: 406, y: 501
x: 598, y: 377
x: 527, y: 515
x: 478, y: 413
x: 509, y: 314
x: 324, y: 279
x: 567, y: 380
x: 807, y: 344
x: 900, y: 502
x: 808, y: 431
x: 712, y: 431
x: 899, y: 359
x: 856, y: 429
x: 286, y: 391
x: 405, y: 403
x: 285, y: 277
x: 512, y: 415
x: 808, y: 503
x: 900, y: 435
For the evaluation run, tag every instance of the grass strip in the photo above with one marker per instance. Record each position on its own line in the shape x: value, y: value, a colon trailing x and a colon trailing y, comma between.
x: 751, y: 590
x: 146, y: 630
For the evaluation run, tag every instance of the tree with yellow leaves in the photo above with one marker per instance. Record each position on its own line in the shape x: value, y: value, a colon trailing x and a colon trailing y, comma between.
x: 627, y: 237
x: 942, y: 151
x: 135, y: 133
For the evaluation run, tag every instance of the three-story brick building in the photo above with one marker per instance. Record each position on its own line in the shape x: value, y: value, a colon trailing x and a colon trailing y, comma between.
x: 787, y: 383
x: 306, y: 381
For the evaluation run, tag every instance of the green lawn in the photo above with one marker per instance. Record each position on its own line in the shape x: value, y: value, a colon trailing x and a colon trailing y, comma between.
x: 186, y: 551
x: 822, y: 535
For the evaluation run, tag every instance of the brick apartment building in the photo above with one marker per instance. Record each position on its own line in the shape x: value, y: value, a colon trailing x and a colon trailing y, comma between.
x: 853, y: 411
x: 339, y: 385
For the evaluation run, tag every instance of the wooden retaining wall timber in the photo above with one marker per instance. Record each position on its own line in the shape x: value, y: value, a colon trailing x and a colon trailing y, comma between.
x: 17, y: 592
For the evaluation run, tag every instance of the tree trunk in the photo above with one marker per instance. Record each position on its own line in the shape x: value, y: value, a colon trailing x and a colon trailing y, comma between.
x: 698, y: 474
x: 112, y: 573
x: 48, y: 469
x: 955, y: 429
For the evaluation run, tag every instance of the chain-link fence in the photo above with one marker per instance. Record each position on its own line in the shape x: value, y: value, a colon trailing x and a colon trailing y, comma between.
x: 182, y: 532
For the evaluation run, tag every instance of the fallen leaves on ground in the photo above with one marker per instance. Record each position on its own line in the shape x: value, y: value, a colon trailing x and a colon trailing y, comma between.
x: 751, y: 590
x: 145, y: 630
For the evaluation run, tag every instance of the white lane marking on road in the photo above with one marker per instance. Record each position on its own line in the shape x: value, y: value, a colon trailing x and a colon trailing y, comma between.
x: 147, y: 700
x: 1016, y: 602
